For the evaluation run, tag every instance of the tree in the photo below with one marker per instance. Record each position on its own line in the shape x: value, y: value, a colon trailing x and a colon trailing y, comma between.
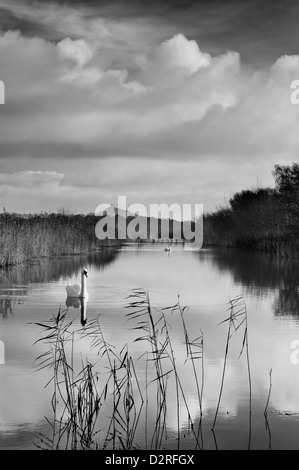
x: 287, y: 183
x: 287, y: 178
x: 249, y: 198
x: 65, y: 211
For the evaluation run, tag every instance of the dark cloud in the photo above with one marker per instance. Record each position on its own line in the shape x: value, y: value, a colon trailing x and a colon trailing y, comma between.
x: 261, y: 30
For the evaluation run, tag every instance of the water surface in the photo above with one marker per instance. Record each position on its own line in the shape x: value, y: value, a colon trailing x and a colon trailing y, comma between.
x: 205, y: 280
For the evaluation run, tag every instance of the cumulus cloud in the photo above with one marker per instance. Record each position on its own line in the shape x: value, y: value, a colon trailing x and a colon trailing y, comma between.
x: 176, y: 84
x: 173, y: 101
x: 85, y: 78
x: 286, y: 64
x: 180, y: 52
x: 77, y: 51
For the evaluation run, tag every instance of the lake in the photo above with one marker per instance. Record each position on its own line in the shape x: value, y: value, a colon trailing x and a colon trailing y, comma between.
x: 206, y: 281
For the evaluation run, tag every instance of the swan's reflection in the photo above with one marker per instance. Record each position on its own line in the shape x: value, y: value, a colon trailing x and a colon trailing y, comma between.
x: 6, y: 307
x: 168, y: 249
x: 78, y: 302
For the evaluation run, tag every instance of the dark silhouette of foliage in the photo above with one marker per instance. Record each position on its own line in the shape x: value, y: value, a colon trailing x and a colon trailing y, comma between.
x: 264, y: 219
x: 287, y: 178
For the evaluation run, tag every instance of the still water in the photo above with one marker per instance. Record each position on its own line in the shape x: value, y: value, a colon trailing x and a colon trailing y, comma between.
x: 205, y: 280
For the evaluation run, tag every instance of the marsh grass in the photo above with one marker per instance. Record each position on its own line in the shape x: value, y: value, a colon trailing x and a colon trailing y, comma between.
x: 236, y: 319
x: 24, y: 239
x: 114, y: 401
x: 267, y: 424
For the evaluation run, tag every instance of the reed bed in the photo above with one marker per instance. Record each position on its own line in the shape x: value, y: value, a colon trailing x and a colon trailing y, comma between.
x: 23, y: 239
x: 111, y: 400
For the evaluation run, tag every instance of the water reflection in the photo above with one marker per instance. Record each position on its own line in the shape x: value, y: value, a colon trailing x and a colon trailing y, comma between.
x: 205, y: 280
x: 9, y: 296
x: 76, y: 302
x: 287, y: 302
x: 258, y: 271
x: 16, y: 281
x: 5, y: 307
x: 259, y: 274
x: 48, y: 270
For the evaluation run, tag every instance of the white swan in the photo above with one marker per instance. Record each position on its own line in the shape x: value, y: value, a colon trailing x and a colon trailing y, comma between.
x: 168, y: 248
x: 77, y: 290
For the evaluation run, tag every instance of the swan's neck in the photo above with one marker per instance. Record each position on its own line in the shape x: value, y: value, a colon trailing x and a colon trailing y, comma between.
x: 83, y: 285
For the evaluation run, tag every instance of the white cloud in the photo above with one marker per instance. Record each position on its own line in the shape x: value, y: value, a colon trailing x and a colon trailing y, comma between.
x: 180, y: 52
x: 77, y: 51
x: 287, y: 64
x: 86, y: 77
x: 177, y: 85
x: 172, y: 102
x: 29, y: 179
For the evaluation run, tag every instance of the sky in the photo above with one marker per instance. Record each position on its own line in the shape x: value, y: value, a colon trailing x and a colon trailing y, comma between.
x: 162, y: 102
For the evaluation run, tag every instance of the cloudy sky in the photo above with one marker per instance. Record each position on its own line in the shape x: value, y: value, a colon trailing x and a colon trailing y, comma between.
x: 162, y: 101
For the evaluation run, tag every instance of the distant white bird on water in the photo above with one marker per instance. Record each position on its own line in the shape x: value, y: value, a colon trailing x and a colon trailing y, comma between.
x: 77, y: 290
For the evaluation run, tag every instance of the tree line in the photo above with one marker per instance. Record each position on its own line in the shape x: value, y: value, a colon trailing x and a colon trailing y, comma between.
x: 264, y: 219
